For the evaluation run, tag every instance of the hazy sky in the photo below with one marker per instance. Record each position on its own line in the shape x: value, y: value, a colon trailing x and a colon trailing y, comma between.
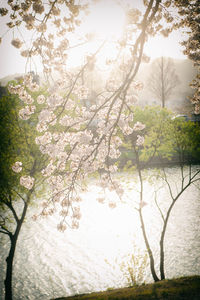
x: 11, y: 62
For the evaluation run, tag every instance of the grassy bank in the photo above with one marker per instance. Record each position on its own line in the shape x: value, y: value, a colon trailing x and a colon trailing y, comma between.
x: 185, y: 288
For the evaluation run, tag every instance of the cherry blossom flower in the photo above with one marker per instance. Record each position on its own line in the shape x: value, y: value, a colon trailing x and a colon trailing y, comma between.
x: 197, y: 109
x: 38, y: 7
x: 3, y: 11
x: 42, y: 27
x: 41, y: 126
x: 56, y: 183
x: 27, y: 182
x: 48, y: 170
x: 76, y: 213
x: 44, y: 139
x: 75, y: 224
x: 26, y: 112
x: 46, y: 116
x: 41, y: 99
x: 64, y: 212
x: 113, y: 168
x: 120, y: 191
x: 117, y: 141
x: 17, y: 89
x: 17, y: 167
x: 138, y: 126
x: 54, y: 100
x: 29, y: 20
x: 77, y: 199
x: 112, y: 204
x: 34, y: 217
x: 61, y: 166
x: 16, y: 43
x: 26, y: 98
x: 61, y: 227
x: 101, y: 199
x: 140, y: 140
x: 64, y: 203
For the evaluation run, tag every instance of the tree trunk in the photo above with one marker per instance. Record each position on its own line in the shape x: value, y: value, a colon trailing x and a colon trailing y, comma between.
x: 10, y: 258
x: 162, y: 254
x: 152, y: 264
x: 9, y: 270
x: 162, y: 258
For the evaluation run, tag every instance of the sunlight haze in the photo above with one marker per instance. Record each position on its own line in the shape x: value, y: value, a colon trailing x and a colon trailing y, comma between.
x: 105, y: 22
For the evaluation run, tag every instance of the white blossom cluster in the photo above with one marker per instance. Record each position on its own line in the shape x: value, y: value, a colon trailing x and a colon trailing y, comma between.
x: 17, y: 167
x: 140, y: 140
x: 138, y: 126
x: 27, y: 182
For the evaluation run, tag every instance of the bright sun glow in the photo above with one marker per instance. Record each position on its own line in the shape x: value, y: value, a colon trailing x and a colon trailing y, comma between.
x: 105, y: 23
x: 106, y: 20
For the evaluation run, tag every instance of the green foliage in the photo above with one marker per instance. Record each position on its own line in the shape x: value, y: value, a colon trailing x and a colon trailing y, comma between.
x: 10, y: 139
x: 16, y: 144
x: 166, y: 139
x: 157, y: 140
x: 186, y: 139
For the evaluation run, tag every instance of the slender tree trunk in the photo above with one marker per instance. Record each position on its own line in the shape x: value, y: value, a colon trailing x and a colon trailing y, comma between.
x: 152, y: 264
x: 162, y: 253
x: 151, y: 258
x: 10, y: 258
x: 9, y: 270
x: 162, y: 258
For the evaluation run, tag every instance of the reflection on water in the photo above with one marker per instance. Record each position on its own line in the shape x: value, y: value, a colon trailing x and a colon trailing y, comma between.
x: 52, y: 264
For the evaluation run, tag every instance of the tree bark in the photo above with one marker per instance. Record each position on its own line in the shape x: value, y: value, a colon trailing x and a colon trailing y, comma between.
x: 152, y: 264
x: 151, y: 258
x: 10, y: 258
x: 9, y: 270
x: 162, y: 254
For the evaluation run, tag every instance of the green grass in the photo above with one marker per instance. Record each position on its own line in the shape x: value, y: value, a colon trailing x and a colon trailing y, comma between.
x: 185, y: 288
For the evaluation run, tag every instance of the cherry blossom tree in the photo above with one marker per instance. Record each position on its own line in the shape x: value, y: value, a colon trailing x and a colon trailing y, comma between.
x: 78, y: 141
x: 189, y: 12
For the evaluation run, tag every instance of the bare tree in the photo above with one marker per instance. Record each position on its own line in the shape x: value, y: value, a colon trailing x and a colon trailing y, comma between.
x: 163, y: 79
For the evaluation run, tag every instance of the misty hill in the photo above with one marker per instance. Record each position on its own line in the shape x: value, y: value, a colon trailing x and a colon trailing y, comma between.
x: 5, y: 80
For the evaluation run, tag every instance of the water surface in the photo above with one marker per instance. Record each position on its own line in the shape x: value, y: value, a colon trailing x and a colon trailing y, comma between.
x: 52, y: 264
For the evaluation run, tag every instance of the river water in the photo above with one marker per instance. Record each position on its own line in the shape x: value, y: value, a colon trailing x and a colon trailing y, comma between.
x: 51, y: 264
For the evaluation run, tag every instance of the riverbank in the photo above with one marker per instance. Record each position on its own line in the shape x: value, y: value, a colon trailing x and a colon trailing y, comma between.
x: 184, y: 288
